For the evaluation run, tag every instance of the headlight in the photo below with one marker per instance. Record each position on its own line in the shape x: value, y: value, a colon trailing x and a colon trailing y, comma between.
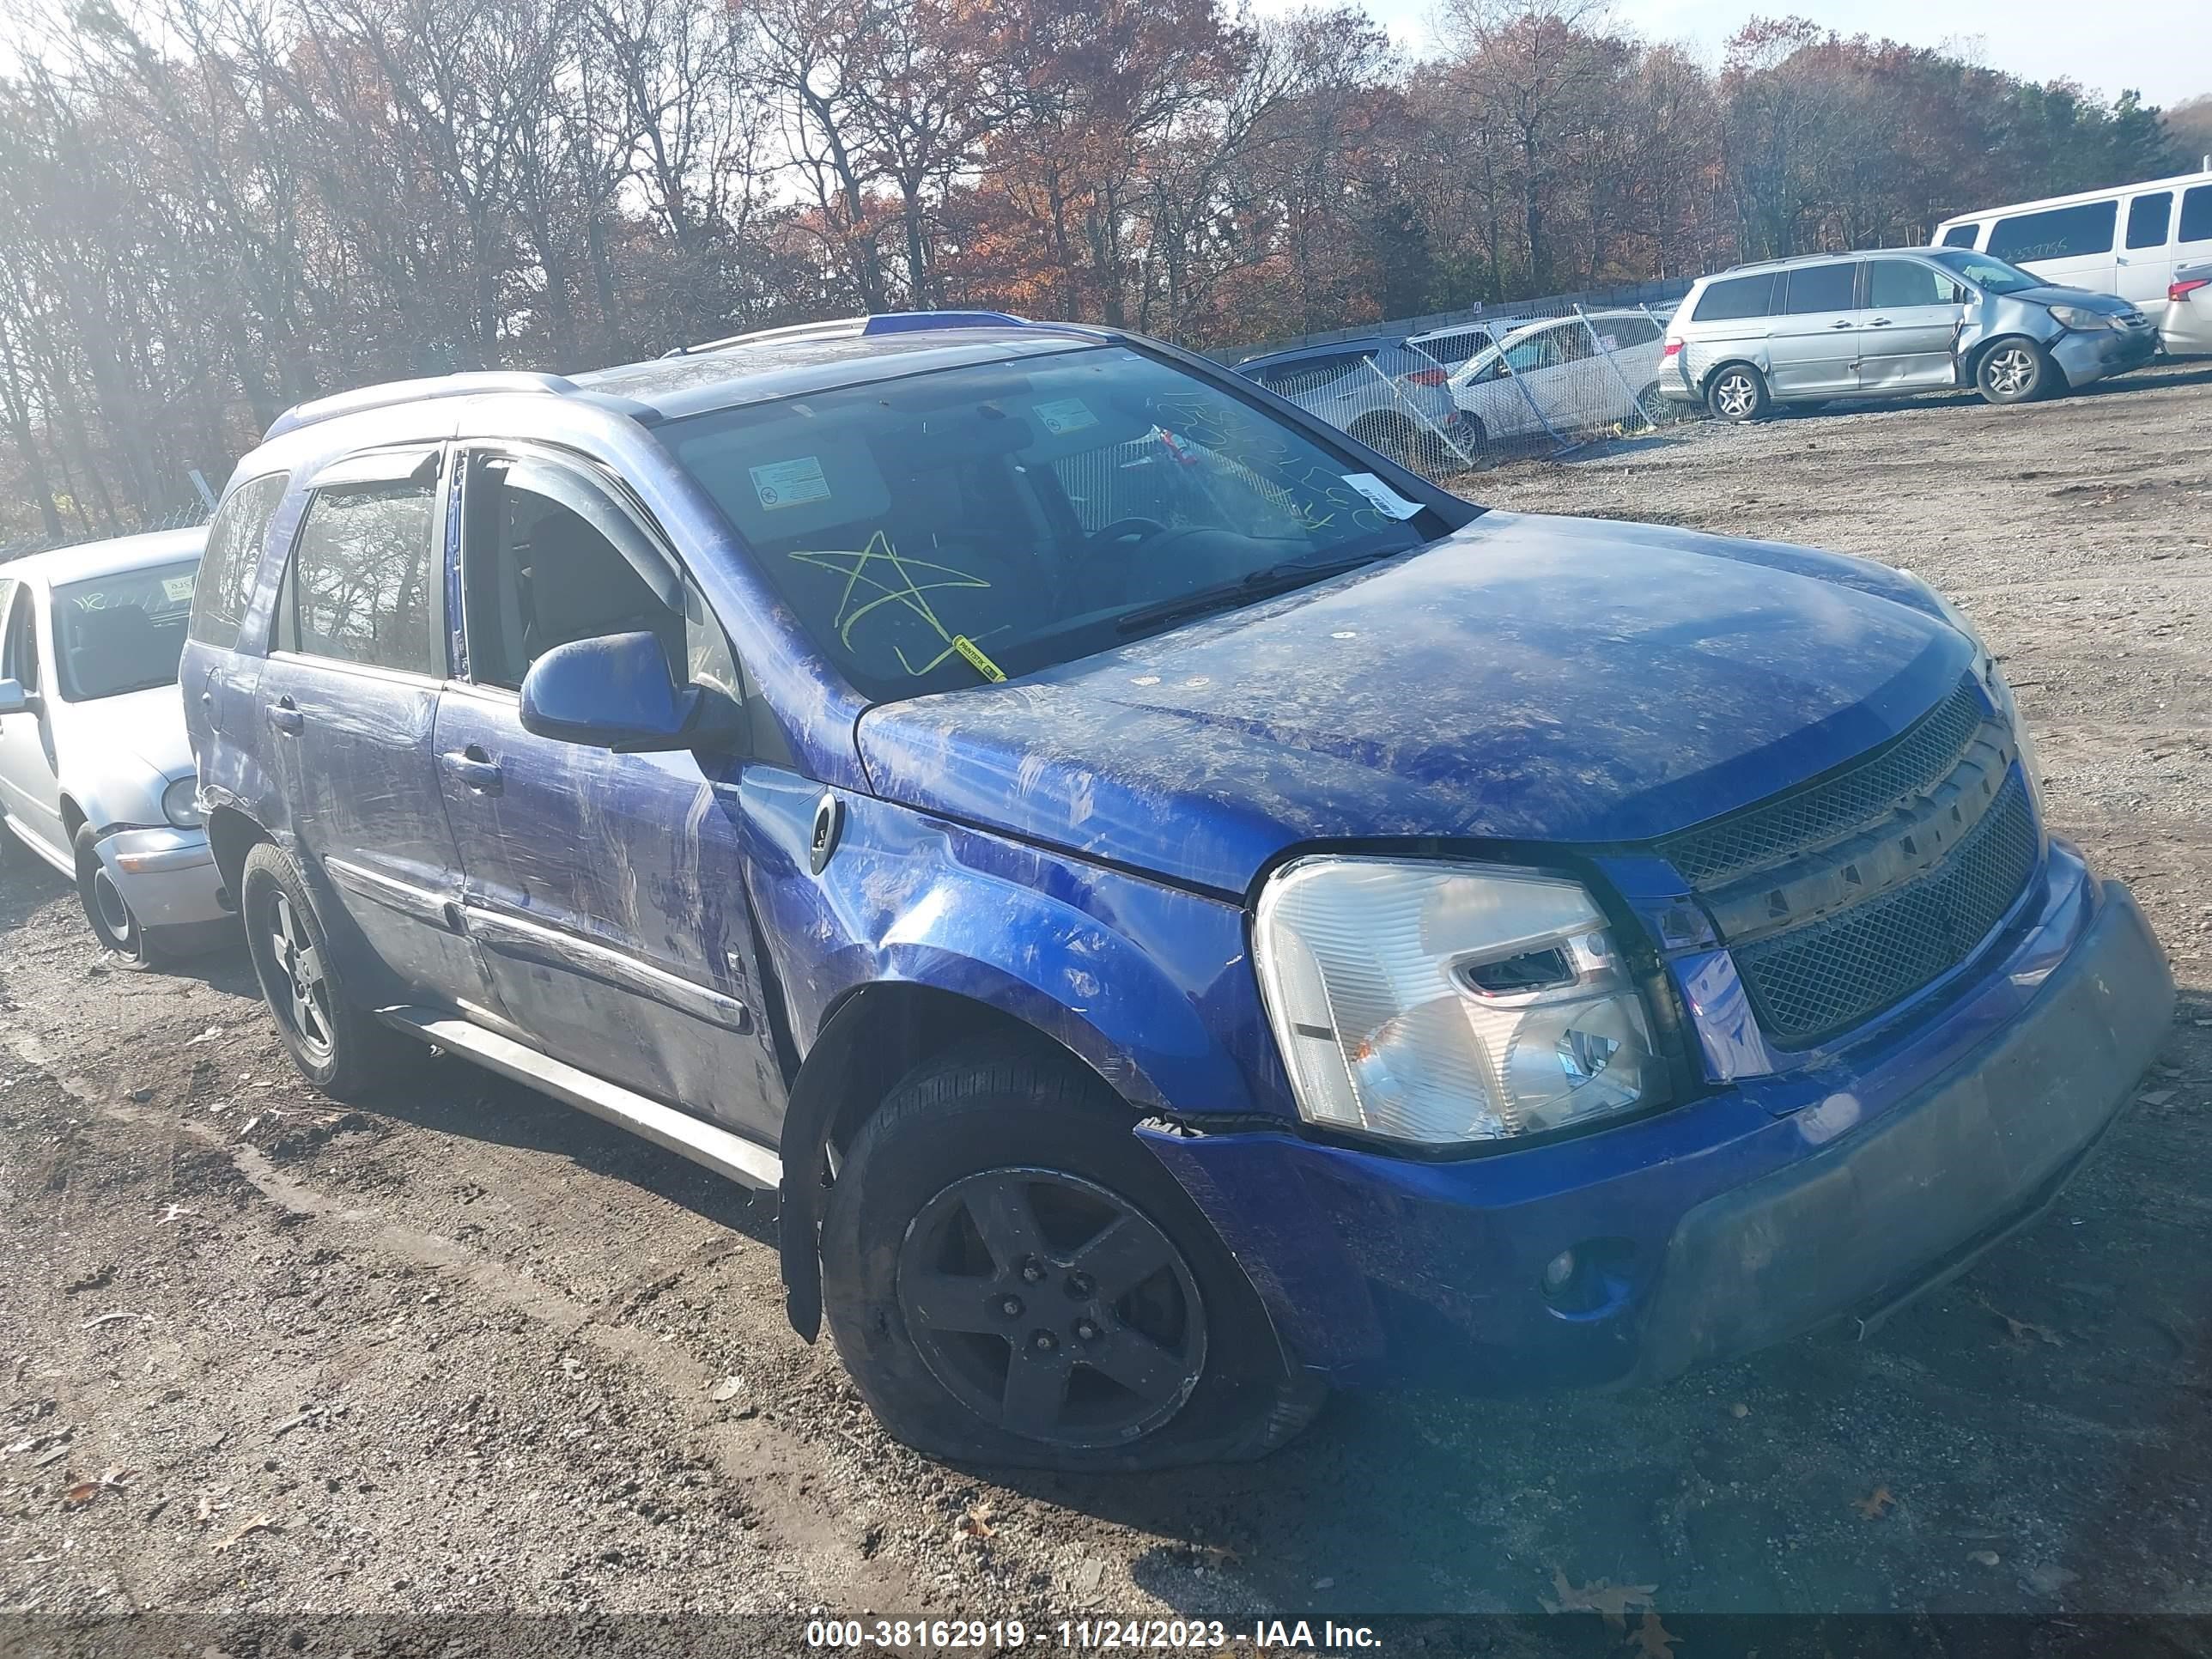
x: 1443, y: 1003
x: 178, y: 804
x: 2077, y: 317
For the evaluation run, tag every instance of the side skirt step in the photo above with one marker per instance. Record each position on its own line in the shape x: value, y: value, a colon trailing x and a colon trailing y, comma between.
x: 746, y: 1162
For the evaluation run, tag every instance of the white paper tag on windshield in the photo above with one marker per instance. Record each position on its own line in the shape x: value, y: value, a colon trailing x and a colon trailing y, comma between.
x: 178, y: 588
x: 1064, y: 416
x: 1386, y: 499
x: 790, y: 483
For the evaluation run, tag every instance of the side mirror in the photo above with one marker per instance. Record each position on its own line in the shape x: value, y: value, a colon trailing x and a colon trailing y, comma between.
x: 13, y: 698
x: 615, y: 692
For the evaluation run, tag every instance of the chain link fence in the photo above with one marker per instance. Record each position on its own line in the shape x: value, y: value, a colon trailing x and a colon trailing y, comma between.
x: 1544, y: 378
x: 177, y: 518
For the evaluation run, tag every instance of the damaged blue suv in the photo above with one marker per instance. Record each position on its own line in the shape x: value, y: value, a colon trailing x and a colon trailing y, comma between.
x: 1184, y: 912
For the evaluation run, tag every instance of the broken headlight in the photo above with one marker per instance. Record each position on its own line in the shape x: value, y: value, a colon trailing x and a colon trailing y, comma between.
x: 1441, y: 1004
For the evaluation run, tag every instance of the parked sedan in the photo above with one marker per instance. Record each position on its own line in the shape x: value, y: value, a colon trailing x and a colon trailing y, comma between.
x: 2189, y: 310
x: 1383, y: 391
x: 1564, y: 373
x: 96, y: 774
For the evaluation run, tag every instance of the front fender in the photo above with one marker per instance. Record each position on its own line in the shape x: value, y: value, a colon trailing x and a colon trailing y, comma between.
x: 121, y: 791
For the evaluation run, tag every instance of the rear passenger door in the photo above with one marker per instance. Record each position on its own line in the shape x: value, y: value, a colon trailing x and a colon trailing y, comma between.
x: 1813, y: 346
x: 348, y: 701
x: 607, y: 891
x: 1912, y: 318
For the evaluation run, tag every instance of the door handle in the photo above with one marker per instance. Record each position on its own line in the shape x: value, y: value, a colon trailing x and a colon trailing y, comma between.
x: 1843, y: 323
x: 284, y: 714
x: 1879, y: 322
x: 473, y: 770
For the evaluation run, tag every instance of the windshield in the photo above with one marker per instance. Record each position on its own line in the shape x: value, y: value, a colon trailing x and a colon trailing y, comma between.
x: 951, y: 528
x: 1985, y: 272
x: 123, y: 632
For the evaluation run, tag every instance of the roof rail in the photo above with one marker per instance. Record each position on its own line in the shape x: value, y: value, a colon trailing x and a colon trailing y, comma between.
x: 470, y: 384
x: 881, y: 322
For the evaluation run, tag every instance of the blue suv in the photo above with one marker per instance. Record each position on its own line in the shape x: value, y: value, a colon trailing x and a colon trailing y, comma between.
x: 1185, y: 913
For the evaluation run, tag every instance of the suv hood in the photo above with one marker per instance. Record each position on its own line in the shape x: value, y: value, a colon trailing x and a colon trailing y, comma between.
x: 1527, y: 678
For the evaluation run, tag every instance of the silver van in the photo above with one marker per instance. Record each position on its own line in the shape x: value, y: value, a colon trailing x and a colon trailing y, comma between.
x: 1807, y: 330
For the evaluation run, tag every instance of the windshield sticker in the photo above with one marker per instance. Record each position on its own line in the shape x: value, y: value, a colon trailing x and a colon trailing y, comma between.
x: 1386, y: 499
x: 790, y: 483
x: 877, y: 576
x: 178, y: 588
x: 1064, y: 416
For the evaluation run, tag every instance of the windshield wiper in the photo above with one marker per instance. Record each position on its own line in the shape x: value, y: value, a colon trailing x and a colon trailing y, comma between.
x: 1268, y: 579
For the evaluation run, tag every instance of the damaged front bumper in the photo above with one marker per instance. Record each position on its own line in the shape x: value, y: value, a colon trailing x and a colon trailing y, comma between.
x: 167, y: 876
x: 1766, y: 1208
x: 2088, y: 356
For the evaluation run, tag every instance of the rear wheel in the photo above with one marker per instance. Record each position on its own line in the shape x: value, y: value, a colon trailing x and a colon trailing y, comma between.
x: 1389, y: 435
x: 2017, y: 371
x: 1737, y: 393
x: 105, y: 907
x: 337, y: 1045
x: 1010, y: 1277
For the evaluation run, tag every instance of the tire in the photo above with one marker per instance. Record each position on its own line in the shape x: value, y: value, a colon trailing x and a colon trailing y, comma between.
x: 941, y: 1329
x: 105, y: 907
x: 1388, y: 436
x: 338, y: 1046
x: 1737, y: 394
x: 2016, y: 370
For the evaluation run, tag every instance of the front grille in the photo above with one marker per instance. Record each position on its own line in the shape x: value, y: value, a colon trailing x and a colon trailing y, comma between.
x: 1815, y: 980
x: 1800, y: 822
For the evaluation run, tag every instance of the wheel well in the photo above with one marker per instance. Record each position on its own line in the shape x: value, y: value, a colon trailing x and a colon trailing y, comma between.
x: 231, y: 835
x: 1704, y: 386
x: 902, y: 1026
x: 1380, y: 420
x: 1974, y: 357
x: 72, y: 819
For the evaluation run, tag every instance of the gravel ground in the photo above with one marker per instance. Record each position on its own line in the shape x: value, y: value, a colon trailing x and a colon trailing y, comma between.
x: 263, y: 1357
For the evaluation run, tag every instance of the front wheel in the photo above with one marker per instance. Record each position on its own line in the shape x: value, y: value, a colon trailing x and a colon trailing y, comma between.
x: 2016, y: 371
x: 1010, y: 1277
x: 105, y: 907
x: 337, y: 1044
x: 1738, y: 393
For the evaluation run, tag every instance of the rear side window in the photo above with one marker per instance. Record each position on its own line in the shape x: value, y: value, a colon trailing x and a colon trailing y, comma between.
x: 2197, y: 214
x: 1961, y: 235
x: 1736, y: 296
x: 233, y: 560
x: 361, y: 587
x: 1820, y: 288
x: 1452, y: 349
x: 2148, y: 217
x: 2056, y: 233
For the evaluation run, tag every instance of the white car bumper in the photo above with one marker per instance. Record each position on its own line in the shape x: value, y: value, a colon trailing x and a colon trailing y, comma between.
x: 167, y: 877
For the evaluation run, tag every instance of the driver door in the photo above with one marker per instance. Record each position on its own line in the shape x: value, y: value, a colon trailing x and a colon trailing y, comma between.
x: 606, y: 892
x: 30, y: 785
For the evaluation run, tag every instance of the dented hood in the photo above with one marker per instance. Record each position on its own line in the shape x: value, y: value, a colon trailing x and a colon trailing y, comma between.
x: 1528, y: 678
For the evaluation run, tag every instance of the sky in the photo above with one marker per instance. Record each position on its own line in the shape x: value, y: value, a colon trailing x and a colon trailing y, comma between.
x: 2167, y: 54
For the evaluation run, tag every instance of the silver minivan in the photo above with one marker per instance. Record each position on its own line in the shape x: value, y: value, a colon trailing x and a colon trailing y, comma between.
x: 1807, y: 331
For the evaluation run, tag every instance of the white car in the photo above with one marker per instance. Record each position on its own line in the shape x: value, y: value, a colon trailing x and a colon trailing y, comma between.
x: 1563, y: 375
x: 96, y: 775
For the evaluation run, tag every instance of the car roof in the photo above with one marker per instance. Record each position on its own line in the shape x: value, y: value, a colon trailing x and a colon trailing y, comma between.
x: 2204, y: 175
x: 1343, y: 348
x: 89, y: 559
x: 1796, y: 259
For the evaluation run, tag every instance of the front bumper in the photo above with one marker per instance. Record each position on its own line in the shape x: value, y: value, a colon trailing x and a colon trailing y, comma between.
x: 1723, y: 1225
x: 167, y: 876
x: 2097, y: 354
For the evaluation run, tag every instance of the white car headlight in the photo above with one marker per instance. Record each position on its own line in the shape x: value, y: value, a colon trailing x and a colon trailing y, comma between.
x: 1441, y: 1004
x: 178, y: 804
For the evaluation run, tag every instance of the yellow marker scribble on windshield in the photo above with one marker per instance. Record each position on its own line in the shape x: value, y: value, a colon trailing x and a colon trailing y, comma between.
x: 878, y: 569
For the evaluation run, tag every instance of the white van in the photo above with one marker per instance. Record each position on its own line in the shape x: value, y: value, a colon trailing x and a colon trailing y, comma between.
x: 2125, y: 240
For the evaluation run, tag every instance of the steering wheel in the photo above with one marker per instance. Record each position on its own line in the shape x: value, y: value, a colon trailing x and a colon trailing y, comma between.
x: 1132, y: 529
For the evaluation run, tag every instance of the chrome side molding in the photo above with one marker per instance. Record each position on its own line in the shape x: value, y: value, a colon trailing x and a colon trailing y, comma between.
x: 746, y: 1162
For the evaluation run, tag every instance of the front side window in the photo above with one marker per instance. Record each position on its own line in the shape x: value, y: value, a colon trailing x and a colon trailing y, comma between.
x: 1734, y: 298
x: 1987, y: 273
x: 233, y: 560
x: 362, y: 586
x: 2056, y: 233
x: 1894, y: 284
x: 21, y: 662
x: 934, y: 530
x: 123, y: 632
x: 1820, y: 288
x: 2148, y: 217
x: 1538, y: 351
x: 1961, y: 235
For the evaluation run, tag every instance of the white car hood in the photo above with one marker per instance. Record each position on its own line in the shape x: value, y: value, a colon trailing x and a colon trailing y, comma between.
x: 148, y: 726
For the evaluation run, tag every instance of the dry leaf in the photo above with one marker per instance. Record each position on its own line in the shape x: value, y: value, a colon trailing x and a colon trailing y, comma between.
x: 975, y: 1524
x: 256, y: 1523
x: 1875, y: 1504
x: 1611, y: 1602
x: 1653, y: 1639
x: 82, y: 1493
x: 204, y: 1508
